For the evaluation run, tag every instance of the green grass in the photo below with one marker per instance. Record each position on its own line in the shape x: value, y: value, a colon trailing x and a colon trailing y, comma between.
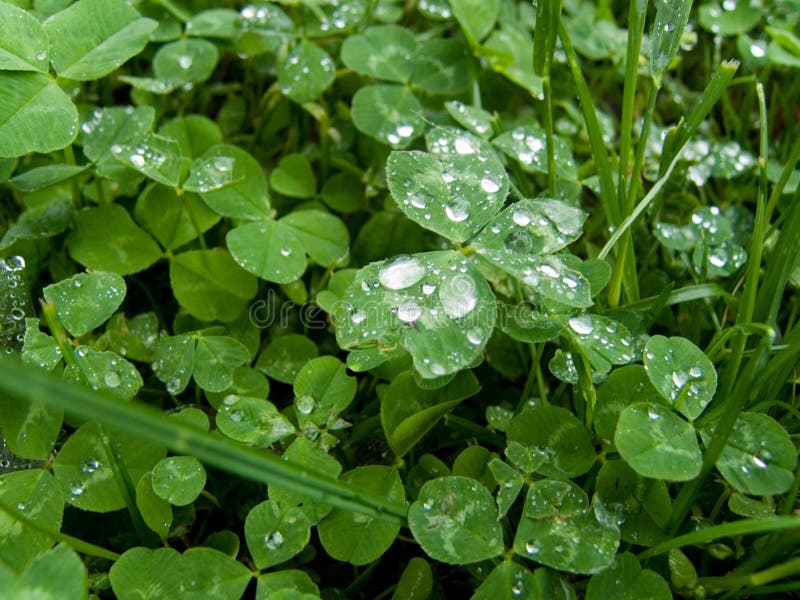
x: 381, y: 299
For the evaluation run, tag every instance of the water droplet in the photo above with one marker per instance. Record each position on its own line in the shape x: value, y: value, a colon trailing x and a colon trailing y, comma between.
x: 464, y: 146
x: 758, y: 50
x: 273, y: 540
x: 582, y: 325
x: 358, y: 316
x: 457, y: 209
x: 458, y: 296
x: 695, y: 372
x: 401, y: 272
x: 532, y: 548
x: 521, y: 217
x: 428, y: 288
x: 759, y: 463
x: 490, y: 186
x: 14, y: 263
x: 305, y: 404
x: 475, y: 336
x: 679, y: 378
x: 112, y: 379
x: 405, y: 131
x: 286, y: 251
x: 518, y: 242
x: 418, y: 201
x: 409, y: 312
x: 173, y: 385
x: 90, y: 465
x: 17, y: 313
x: 76, y: 488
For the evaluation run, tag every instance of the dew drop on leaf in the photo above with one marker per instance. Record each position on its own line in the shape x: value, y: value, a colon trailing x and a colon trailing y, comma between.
x: 458, y: 296
x: 464, y: 146
x: 305, y: 404
x: 518, y: 242
x: 581, y: 325
x: 522, y: 218
x: 273, y: 540
x: 490, y: 186
x: 409, y: 312
x: 112, y: 379
x: 90, y: 465
x: 457, y: 210
x: 401, y: 272
x: 173, y: 385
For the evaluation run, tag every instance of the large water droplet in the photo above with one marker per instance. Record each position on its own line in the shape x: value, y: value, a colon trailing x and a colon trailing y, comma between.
x: 458, y: 295
x: 518, y: 242
x: 305, y: 404
x: 522, y: 217
x: 490, y: 186
x: 409, y: 312
x: 112, y: 379
x: 401, y: 272
x: 582, y: 325
x: 273, y: 540
x: 90, y: 465
x: 457, y: 209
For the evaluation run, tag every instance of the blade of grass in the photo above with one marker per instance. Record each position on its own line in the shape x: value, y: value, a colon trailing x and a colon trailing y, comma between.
x: 76, y: 544
x: 735, y: 528
x: 736, y: 382
x: 24, y: 382
x: 636, y: 21
x: 689, y: 293
x: 728, y: 582
x: 779, y: 267
x: 600, y: 155
x: 548, y: 17
x: 599, y: 151
x: 680, y: 136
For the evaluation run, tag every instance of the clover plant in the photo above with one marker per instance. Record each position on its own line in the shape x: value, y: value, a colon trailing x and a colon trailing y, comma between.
x: 374, y: 298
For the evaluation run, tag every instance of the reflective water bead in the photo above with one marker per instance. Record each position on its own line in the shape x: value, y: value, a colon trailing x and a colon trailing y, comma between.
x: 401, y: 272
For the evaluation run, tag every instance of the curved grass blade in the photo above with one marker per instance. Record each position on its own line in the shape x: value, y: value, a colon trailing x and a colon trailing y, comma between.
x: 20, y: 381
